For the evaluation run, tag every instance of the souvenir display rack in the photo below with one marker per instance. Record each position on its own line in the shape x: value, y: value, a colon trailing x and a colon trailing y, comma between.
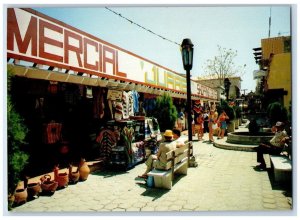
x: 133, y: 139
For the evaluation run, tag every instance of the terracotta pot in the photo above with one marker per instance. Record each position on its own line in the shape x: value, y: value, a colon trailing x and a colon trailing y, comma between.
x: 73, y: 176
x: 84, y: 170
x: 48, y: 185
x: 33, y: 189
x: 61, y: 178
x: 20, y: 196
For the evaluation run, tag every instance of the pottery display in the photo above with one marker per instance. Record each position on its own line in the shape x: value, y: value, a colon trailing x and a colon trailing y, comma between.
x: 33, y: 190
x: 61, y: 178
x: 73, y: 176
x: 84, y: 169
x: 20, y: 196
x: 47, y: 184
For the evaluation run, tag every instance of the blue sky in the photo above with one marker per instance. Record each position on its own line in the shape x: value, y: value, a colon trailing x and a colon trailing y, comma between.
x: 240, y: 28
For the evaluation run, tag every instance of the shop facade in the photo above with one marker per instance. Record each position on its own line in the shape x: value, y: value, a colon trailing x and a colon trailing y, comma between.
x: 77, y: 92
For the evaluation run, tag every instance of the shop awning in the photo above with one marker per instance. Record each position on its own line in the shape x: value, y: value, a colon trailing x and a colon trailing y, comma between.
x: 36, y: 73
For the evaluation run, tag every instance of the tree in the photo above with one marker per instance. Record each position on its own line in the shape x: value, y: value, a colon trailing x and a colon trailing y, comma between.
x: 277, y: 112
x: 16, y: 134
x: 222, y: 66
x: 165, y: 112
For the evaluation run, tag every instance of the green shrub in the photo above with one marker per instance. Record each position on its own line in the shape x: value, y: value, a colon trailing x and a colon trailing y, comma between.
x: 228, y: 109
x: 277, y: 112
x: 238, y: 111
x: 16, y: 134
x: 165, y: 112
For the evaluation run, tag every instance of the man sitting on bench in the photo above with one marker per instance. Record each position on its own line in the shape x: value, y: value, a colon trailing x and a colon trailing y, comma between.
x: 159, y: 160
x: 273, y: 147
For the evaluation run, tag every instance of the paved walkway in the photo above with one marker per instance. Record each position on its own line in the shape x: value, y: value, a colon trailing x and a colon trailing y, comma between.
x: 223, y: 181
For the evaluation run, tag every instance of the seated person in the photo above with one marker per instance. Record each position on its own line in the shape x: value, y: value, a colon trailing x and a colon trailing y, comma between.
x: 178, y: 138
x: 274, y: 146
x: 159, y: 160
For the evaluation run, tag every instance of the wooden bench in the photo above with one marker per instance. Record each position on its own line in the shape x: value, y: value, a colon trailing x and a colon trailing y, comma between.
x: 282, y: 167
x: 178, y: 161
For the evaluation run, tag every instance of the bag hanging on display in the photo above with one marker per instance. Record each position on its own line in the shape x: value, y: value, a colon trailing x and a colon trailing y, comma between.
x: 89, y: 92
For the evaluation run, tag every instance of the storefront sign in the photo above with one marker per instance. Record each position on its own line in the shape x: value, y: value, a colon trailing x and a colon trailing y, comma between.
x: 37, y: 38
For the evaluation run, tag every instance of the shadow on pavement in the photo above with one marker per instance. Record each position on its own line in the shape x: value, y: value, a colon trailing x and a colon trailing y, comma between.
x: 153, y: 192
x: 108, y: 173
x: 286, y: 186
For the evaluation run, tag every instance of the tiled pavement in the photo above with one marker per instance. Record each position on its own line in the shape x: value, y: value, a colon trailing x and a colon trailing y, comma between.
x: 223, y: 181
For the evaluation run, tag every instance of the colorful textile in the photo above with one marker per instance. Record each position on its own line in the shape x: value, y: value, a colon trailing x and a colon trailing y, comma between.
x: 52, y: 133
x: 197, y: 106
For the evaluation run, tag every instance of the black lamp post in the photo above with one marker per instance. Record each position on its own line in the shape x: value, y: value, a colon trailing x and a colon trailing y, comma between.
x: 187, y: 51
x: 227, y: 84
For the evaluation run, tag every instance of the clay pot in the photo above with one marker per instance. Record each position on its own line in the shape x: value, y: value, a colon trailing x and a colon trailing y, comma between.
x: 33, y: 189
x: 84, y: 170
x: 73, y: 176
x: 48, y: 185
x: 20, y: 196
x: 61, y: 178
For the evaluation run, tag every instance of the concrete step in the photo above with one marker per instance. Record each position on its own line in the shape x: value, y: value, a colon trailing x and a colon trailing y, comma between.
x: 222, y: 143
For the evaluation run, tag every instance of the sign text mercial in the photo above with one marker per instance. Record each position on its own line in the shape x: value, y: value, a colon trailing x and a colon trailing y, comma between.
x: 37, y: 38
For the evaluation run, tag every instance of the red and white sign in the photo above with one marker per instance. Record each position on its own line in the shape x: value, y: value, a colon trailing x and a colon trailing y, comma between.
x: 37, y: 38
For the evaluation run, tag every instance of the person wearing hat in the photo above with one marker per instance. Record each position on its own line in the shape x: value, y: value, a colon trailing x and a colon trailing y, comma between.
x: 159, y: 161
x: 273, y: 147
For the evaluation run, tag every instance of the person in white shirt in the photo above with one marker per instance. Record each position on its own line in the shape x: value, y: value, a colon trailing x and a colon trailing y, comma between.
x: 180, y: 140
x: 274, y: 146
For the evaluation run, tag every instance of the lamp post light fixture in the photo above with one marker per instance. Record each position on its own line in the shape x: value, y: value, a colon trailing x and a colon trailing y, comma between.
x: 227, y: 84
x: 187, y: 51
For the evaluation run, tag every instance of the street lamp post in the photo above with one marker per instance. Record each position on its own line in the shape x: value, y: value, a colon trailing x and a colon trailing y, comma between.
x: 187, y: 51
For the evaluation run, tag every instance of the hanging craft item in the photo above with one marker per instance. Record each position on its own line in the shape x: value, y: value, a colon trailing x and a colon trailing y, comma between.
x: 118, y: 111
x: 107, y: 140
x: 52, y: 87
x: 197, y: 107
x: 128, y: 134
x: 89, y: 92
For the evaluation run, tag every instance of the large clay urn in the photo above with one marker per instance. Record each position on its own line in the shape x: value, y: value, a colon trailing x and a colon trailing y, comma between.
x: 21, y: 194
x: 73, y: 176
x: 61, y: 178
x: 48, y: 185
x: 84, y: 169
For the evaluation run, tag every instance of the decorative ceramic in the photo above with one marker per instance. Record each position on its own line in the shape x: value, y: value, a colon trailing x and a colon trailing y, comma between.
x: 33, y: 190
x: 84, y: 169
x: 73, y: 176
x: 61, y: 178
x: 20, y: 196
x: 47, y: 184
